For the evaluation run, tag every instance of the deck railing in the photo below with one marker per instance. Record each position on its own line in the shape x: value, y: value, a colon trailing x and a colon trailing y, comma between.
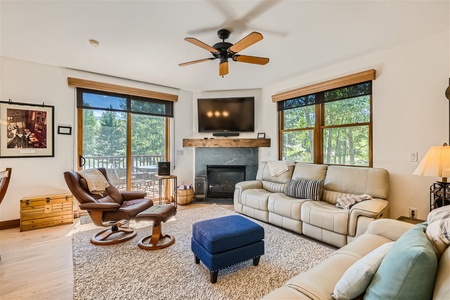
x: 143, y: 179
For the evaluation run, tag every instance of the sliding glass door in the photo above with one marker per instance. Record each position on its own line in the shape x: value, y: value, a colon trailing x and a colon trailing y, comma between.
x: 120, y: 135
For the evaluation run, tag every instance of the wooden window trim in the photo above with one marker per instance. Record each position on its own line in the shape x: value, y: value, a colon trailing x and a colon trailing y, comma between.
x: 326, y: 85
x: 114, y: 88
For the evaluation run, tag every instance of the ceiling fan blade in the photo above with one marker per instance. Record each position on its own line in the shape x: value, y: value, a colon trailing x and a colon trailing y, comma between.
x: 196, y: 61
x: 249, y: 40
x: 251, y: 59
x: 200, y: 44
x: 223, y: 68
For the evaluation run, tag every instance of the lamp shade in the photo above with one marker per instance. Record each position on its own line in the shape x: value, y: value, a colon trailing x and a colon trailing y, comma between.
x: 435, y: 163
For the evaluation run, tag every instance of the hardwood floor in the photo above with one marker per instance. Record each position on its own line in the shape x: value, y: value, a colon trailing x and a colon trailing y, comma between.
x: 37, y: 264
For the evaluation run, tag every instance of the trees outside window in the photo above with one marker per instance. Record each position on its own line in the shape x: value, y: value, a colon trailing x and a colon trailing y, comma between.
x: 126, y: 135
x: 328, y: 127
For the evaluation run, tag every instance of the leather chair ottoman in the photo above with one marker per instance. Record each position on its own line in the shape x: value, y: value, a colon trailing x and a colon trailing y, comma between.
x: 222, y: 242
x: 158, y: 214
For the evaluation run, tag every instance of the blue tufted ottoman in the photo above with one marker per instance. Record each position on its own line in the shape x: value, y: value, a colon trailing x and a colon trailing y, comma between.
x: 223, y: 242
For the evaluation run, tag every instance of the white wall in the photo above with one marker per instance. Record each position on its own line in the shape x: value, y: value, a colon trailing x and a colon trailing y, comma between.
x: 27, y: 82
x: 410, y: 115
x: 410, y: 111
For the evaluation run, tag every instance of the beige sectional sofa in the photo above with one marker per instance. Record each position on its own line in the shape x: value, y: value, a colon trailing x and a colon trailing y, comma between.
x: 409, y: 281
x: 265, y: 199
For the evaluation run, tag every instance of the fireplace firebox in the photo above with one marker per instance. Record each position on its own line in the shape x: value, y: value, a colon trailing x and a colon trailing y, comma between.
x: 222, y: 179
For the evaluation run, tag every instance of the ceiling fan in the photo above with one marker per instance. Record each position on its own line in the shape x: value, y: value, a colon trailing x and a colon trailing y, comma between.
x: 224, y: 50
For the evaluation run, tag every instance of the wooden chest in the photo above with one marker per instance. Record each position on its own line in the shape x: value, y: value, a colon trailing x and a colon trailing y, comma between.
x: 45, y: 211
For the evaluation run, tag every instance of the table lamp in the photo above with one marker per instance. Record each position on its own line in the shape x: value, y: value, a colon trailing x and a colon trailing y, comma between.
x: 437, y: 163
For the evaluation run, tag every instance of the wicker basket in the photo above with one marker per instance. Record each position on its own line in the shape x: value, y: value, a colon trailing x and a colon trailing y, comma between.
x: 185, y: 197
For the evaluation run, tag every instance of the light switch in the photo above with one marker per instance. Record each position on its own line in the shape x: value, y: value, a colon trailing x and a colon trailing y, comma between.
x: 414, y: 157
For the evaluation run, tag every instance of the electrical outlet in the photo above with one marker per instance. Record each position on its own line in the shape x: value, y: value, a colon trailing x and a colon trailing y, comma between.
x: 180, y: 152
x: 413, y: 213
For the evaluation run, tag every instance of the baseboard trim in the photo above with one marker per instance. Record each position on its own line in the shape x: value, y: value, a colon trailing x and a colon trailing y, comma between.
x: 9, y: 224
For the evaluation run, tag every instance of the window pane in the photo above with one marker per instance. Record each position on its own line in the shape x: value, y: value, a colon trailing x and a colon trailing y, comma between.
x: 301, y: 117
x: 104, y: 101
x: 298, y: 146
x: 159, y: 108
x: 148, y: 147
x: 104, y: 143
x: 349, y: 111
x: 346, y: 146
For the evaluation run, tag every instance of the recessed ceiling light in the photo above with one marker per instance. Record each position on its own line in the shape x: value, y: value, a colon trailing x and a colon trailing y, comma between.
x: 94, y: 43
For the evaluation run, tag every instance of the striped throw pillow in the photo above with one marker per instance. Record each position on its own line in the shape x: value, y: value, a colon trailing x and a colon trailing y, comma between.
x: 438, y: 229
x: 305, y: 189
x: 274, y: 187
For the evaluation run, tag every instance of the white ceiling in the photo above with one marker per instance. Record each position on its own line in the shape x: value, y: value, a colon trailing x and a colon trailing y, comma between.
x: 144, y: 40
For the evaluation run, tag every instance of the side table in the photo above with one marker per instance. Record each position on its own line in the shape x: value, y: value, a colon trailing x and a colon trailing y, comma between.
x: 168, y: 177
x: 409, y: 220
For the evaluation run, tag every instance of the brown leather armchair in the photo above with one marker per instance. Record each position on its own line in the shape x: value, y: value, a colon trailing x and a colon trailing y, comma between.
x: 114, y: 209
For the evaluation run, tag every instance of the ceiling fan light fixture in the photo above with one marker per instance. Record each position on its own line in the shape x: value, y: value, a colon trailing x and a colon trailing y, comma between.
x: 225, y: 50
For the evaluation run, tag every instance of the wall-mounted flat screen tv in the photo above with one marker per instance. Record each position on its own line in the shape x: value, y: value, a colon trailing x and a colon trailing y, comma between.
x: 226, y: 114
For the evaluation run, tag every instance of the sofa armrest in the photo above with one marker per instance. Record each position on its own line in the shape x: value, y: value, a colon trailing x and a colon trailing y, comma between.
x: 239, y: 188
x: 131, y: 195
x: 247, y: 185
x: 100, y: 206
x: 388, y: 228
x: 372, y: 208
x: 369, y: 208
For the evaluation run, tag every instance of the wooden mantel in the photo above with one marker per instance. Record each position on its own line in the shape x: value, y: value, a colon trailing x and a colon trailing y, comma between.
x: 226, y: 143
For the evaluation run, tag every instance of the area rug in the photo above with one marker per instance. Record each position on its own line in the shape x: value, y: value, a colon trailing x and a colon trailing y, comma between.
x: 124, y: 271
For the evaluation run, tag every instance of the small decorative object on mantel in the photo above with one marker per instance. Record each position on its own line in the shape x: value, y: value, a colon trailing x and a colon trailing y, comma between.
x: 26, y: 130
x: 437, y: 163
x: 261, y: 135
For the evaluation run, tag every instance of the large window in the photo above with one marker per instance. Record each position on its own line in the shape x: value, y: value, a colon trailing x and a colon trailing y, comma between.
x: 331, y: 126
x: 127, y: 135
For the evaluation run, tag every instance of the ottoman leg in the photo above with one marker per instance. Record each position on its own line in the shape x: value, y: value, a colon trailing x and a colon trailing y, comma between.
x: 197, y: 260
x: 256, y: 260
x: 213, y: 276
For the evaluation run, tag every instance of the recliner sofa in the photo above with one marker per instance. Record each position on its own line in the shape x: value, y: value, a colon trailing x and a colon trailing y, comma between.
x: 265, y: 199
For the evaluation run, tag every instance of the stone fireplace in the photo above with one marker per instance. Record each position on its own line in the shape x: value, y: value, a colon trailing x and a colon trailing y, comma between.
x: 246, y: 159
x: 221, y: 179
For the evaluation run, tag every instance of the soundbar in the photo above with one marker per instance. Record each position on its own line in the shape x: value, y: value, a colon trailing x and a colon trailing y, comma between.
x: 226, y: 134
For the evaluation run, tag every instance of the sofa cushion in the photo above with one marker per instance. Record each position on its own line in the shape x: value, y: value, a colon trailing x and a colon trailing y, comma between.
x: 255, y: 198
x: 438, y: 230
x: 285, y: 206
x: 442, y: 284
x: 304, y: 189
x: 309, y: 171
x: 355, y: 181
x: 408, y: 271
x: 357, y: 278
x: 264, y: 174
x: 274, y: 187
x: 326, y: 216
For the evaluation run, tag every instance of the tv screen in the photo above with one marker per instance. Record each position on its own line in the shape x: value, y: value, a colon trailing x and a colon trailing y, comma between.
x: 226, y: 114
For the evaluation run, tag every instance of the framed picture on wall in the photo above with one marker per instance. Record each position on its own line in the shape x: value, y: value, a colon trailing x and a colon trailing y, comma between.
x: 26, y: 130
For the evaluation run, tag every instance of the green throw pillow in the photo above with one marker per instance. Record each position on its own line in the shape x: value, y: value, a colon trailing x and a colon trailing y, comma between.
x: 408, y: 270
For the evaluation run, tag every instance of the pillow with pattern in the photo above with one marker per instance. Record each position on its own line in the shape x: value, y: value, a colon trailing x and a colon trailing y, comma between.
x: 438, y: 229
x: 304, y: 189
